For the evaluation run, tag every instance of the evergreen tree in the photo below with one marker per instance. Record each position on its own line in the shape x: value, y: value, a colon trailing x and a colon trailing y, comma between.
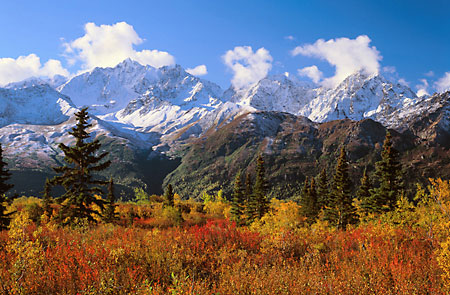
x: 341, y: 212
x: 314, y: 206
x: 250, y: 204
x: 76, y: 177
x: 388, y: 173
x: 309, y: 203
x: 5, y: 175
x: 304, y: 193
x: 364, y: 193
x: 260, y: 189
x: 169, y: 196
x: 237, y: 202
x: 47, y: 198
x: 323, y: 191
x: 110, y: 214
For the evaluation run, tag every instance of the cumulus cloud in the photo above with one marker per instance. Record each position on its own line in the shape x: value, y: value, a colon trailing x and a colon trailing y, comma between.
x: 311, y: 72
x: 290, y: 38
x: 248, y: 67
x: 13, y: 70
x: 429, y: 74
x: 443, y: 84
x: 200, y: 70
x: 108, y: 45
x: 422, y: 88
x: 347, y: 55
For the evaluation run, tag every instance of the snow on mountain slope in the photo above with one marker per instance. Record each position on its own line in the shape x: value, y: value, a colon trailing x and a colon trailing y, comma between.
x: 359, y: 96
x: 274, y: 93
x: 154, y: 100
x: 38, y: 105
x: 108, y: 90
x: 36, y: 146
x: 174, y: 101
x: 142, y: 103
x: 53, y: 82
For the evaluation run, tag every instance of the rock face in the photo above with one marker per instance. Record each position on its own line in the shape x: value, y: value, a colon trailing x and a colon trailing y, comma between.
x: 143, y: 113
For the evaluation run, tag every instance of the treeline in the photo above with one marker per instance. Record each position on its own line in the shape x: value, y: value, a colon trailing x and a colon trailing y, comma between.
x: 328, y: 198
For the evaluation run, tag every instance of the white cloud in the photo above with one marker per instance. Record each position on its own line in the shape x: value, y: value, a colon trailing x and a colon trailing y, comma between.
x: 422, y: 88
x: 13, y: 70
x: 108, y: 45
x: 443, y: 84
x: 248, y: 66
x: 200, y: 70
x: 429, y: 74
x: 311, y: 72
x: 389, y: 69
x: 403, y: 82
x: 347, y: 55
x: 290, y: 38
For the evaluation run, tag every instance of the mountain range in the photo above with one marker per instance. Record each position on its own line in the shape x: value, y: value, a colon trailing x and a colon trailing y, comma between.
x: 167, y: 126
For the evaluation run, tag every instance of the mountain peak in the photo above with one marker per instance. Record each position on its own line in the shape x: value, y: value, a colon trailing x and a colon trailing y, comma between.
x: 129, y: 63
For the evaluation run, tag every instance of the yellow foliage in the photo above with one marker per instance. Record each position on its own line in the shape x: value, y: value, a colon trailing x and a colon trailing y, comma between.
x: 440, y: 191
x: 283, y: 215
x: 27, y: 251
x: 217, y: 206
x: 443, y: 259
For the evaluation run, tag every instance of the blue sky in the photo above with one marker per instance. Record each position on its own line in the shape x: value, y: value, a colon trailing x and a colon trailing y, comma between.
x: 405, y: 40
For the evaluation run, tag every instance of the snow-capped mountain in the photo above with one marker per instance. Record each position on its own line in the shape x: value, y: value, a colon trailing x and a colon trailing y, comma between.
x: 108, y: 90
x: 135, y: 100
x: 359, y: 96
x: 54, y: 82
x: 38, y: 105
x: 140, y: 112
x: 168, y: 101
x: 153, y: 100
x: 173, y: 101
x: 274, y: 93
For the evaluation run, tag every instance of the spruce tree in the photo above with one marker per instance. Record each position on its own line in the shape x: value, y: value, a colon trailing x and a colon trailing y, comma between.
x: 304, y: 194
x: 314, y: 206
x: 364, y: 193
x: 389, y: 176
x: 110, y: 214
x: 250, y: 204
x: 47, y: 198
x: 237, y: 202
x: 5, y: 175
x: 260, y: 189
x: 341, y: 212
x: 169, y: 196
x: 323, y: 191
x: 76, y: 177
x: 309, y: 203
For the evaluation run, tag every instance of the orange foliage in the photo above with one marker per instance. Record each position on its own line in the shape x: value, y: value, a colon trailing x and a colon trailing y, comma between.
x: 217, y: 258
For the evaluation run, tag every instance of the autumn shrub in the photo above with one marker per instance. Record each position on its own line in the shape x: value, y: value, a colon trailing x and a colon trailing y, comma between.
x: 278, y: 255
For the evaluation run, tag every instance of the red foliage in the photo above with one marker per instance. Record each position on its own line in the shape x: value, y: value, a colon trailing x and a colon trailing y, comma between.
x: 219, y: 257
